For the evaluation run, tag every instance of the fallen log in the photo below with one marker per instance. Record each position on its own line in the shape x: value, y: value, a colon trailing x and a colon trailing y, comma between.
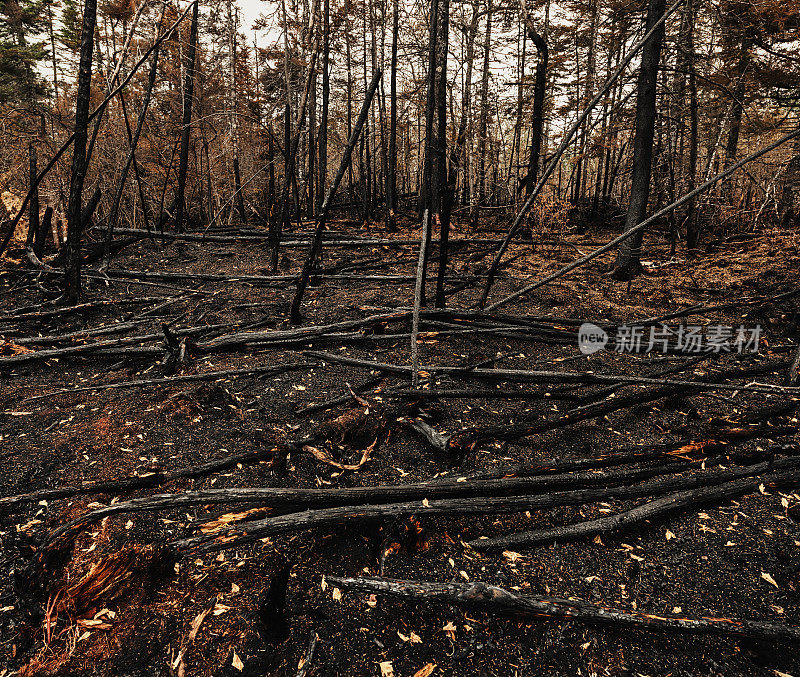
x: 483, y: 597
x: 482, y: 393
x: 137, y: 482
x: 651, y: 510
x: 246, y: 338
x: 342, y: 399
x: 96, y: 347
x: 336, y: 516
x: 538, y: 376
x: 186, y: 378
x: 212, y: 277
x: 344, y: 240
x: 220, y: 539
x: 794, y: 369
x: 294, y: 499
x: 118, y: 328
x: 590, y: 411
x: 677, y: 448
x: 22, y: 314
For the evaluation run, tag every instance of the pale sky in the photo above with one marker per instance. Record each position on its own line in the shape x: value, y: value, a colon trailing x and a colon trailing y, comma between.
x: 250, y: 11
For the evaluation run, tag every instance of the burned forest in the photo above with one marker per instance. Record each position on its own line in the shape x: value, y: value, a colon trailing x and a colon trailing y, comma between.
x: 399, y: 338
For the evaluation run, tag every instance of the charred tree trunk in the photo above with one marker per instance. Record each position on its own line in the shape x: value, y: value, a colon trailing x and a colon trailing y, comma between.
x: 628, y: 263
x: 134, y: 142
x: 441, y: 199
x: 483, y: 119
x: 428, y: 183
x: 186, y: 129
x: 460, y: 158
x: 692, y: 224
x: 537, y: 123
x: 316, y: 245
x: 72, y: 269
x: 391, y: 173
x: 326, y: 91
x: 737, y: 110
x: 33, y: 209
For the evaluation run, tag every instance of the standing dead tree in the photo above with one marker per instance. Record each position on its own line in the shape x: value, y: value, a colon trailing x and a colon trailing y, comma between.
x: 131, y: 159
x: 565, y: 141
x: 687, y: 198
x: 628, y: 265
x: 316, y: 245
x: 12, y: 225
x: 186, y: 125
x: 72, y: 266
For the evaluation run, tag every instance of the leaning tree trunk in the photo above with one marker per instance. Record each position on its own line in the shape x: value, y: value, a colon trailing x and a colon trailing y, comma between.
x: 72, y: 269
x: 628, y: 263
x: 322, y: 215
x: 134, y: 142
x: 188, y: 97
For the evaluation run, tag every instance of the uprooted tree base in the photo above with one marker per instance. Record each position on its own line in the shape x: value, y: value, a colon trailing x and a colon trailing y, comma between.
x: 193, y: 465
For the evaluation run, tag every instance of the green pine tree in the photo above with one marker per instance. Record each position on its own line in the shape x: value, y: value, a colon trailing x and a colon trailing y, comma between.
x: 21, y: 25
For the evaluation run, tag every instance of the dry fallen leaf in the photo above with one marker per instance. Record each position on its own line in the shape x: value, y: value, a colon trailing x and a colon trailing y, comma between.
x: 669, y: 535
x: 325, y: 457
x: 386, y: 669
x: 426, y: 670
x: 197, y: 622
x: 450, y: 629
x: 94, y: 624
x: 337, y: 595
x: 769, y: 579
x: 512, y: 556
x: 237, y: 662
